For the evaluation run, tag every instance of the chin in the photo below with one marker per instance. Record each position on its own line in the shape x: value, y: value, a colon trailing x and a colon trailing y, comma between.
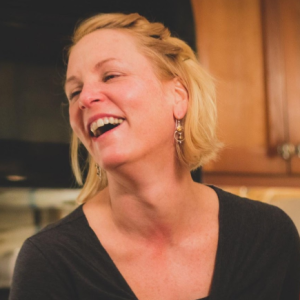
x: 110, y: 161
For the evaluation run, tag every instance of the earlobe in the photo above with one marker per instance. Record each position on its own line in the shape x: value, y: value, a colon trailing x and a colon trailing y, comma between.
x: 181, y: 99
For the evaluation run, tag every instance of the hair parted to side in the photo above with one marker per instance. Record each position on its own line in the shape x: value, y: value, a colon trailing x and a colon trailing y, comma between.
x: 171, y: 57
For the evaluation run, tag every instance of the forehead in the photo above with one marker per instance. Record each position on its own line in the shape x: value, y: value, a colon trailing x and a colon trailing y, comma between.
x: 102, y: 44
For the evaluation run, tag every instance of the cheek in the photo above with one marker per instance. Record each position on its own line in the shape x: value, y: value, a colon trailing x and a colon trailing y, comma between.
x: 72, y: 117
x: 75, y: 120
x: 155, y: 114
x: 145, y: 96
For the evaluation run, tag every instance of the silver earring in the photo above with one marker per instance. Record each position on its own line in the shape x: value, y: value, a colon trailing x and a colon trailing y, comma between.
x: 98, y: 171
x: 178, y: 134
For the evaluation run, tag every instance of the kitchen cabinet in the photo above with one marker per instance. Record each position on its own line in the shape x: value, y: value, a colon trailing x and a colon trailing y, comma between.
x: 252, y: 49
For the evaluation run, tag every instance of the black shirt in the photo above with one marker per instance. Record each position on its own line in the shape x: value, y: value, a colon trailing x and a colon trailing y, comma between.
x: 258, y: 258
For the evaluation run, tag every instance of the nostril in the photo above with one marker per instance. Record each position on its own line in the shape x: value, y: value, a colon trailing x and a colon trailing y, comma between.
x: 87, y: 102
x: 81, y: 105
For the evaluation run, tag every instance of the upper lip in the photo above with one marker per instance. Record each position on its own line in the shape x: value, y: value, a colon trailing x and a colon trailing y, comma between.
x: 100, y: 116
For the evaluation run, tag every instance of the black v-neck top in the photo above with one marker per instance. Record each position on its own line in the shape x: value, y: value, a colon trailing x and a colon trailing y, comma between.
x: 258, y: 257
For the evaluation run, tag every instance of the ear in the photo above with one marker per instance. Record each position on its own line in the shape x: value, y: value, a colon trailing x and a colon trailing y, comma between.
x: 181, y: 99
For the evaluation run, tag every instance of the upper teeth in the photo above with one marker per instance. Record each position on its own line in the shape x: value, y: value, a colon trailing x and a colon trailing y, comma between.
x: 102, y: 121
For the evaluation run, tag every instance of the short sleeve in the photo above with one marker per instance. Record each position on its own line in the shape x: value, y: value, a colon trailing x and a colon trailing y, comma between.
x: 35, y: 278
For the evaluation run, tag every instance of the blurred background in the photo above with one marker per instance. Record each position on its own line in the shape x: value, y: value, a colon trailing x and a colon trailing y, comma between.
x: 251, y: 48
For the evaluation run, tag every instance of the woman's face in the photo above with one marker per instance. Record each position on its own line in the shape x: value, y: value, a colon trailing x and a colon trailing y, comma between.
x: 110, y: 81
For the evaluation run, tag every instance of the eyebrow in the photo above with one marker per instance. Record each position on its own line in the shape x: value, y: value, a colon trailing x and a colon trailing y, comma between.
x: 70, y: 79
x: 102, y: 62
x: 96, y: 67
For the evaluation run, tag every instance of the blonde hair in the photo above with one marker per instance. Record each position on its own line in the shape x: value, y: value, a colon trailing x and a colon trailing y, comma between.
x: 171, y: 58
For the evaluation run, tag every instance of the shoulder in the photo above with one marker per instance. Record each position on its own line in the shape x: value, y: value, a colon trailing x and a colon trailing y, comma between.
x: 66, y: 221
x: 41, y: 270
x: 63, y: 233
x: 255, y: 224
x: 55, y: 246
x: 251, y: 212
x: 258, y: 243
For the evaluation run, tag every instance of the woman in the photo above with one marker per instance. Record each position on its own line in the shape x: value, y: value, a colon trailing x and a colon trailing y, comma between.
x: 144, y: 109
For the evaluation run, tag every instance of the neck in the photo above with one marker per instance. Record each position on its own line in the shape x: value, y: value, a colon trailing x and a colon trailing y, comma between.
x: 153, y: 202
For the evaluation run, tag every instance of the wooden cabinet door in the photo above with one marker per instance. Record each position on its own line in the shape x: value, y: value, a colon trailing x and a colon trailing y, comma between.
x: 281, y: 26
x: 290, y: 20
x: 231, y: 45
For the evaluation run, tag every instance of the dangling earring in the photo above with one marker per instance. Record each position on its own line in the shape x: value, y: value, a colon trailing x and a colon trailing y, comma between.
x: 178, y: 134
x: 98, y: 171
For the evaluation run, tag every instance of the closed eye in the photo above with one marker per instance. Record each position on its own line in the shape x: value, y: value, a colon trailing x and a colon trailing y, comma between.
x: 74, y: 94
x: 109, y: 77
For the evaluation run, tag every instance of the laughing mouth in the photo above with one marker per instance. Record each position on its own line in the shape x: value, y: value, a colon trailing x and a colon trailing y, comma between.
x: 103, y: 125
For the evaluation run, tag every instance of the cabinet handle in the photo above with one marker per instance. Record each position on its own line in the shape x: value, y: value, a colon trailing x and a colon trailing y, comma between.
x: 286, y: 150
x: 297, y: 150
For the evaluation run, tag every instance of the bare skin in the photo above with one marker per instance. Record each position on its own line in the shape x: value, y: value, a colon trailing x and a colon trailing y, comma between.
x: 158, y: 226
x: 164, y: 250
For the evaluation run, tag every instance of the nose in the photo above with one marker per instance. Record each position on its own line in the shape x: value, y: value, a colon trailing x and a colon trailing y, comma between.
x: 88, y: 97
